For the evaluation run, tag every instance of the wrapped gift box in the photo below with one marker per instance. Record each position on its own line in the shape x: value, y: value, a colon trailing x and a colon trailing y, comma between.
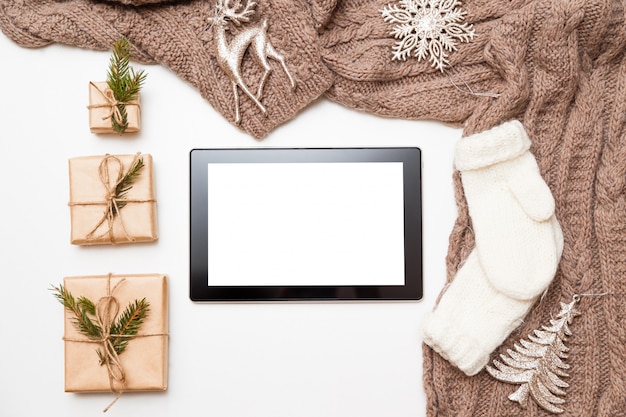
x: 100, y: 107
x: 94, y: 218
x: 145, y: 359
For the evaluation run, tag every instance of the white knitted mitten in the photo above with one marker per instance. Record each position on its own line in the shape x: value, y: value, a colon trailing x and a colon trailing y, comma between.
x: 518, y: 248
x: 472, y: 318
x: 518, y: 238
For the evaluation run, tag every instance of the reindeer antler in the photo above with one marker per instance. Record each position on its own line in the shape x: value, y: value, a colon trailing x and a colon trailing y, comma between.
x: 238, y: 17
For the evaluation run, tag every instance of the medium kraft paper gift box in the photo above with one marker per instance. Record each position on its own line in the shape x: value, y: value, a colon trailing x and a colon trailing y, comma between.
x: 144, y: 361
x: 102, y: 108
x: 97, y: 217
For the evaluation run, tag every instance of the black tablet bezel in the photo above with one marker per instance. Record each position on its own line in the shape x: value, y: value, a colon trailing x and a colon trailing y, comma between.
x: 410, y: 157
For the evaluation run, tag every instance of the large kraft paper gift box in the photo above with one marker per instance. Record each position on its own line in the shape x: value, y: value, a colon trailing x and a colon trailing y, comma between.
x: 145, y: 360
x: 102, y: 109
x: 97, y: 216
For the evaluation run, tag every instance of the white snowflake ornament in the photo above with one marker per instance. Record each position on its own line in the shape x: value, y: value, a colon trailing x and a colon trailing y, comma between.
x: 427, y: 28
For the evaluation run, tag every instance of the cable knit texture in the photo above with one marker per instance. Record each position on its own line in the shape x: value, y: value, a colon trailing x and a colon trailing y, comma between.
x: 138, y: 2
x: 175, y: 35
x: 562, y: 70
x: 357, y: 47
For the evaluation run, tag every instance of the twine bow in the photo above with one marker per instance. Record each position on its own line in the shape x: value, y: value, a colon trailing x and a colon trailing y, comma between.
x: 111, y: 199
x: 112, y: 103
x: 106, y: 312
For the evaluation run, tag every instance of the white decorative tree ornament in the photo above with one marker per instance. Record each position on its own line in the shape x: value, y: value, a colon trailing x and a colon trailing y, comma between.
x: 538, y: 363
x: 427, y: 28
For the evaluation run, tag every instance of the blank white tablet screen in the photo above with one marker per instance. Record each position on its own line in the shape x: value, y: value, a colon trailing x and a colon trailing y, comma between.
x: 305, y: 224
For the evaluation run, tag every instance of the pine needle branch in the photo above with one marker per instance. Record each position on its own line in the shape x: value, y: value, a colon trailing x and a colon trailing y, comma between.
x: 81, y: 309
x: 128, y: 323
x: 126, y: 184
x: 87, y: 305
x: 123, y: 80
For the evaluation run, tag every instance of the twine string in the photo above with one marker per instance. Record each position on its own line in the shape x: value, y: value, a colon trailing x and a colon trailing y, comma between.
x: 577, y: 297
x: 111, y: 200
x: 107, y: 309
x: 469, y: 89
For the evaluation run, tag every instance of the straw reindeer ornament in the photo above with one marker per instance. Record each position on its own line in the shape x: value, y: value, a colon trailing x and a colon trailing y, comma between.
x: 230, y: 52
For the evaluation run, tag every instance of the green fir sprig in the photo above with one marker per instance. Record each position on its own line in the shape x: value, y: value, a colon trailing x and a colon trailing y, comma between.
x: 122, y: 330
x: 128, y: 324
x: 125, y: 184
x: 83, y: 310
x: 123, y: 81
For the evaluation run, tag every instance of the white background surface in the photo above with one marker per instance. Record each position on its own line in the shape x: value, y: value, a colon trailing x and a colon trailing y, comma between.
x: 226, y: 360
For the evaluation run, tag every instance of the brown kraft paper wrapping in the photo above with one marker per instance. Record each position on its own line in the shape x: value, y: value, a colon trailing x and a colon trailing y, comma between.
x: 101, y: 110
x: 145, y: 360
x: 89, y: 202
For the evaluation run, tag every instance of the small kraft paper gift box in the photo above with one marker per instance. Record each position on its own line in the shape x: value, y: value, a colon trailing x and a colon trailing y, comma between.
x: 104, y: 109
x: 112, y: 199
x: 123, y: 344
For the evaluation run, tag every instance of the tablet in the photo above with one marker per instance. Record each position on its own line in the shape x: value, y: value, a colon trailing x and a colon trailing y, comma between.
x: 276, y: 224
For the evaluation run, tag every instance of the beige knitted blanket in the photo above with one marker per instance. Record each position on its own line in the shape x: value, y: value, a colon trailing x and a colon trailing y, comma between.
x: 563, y: 70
